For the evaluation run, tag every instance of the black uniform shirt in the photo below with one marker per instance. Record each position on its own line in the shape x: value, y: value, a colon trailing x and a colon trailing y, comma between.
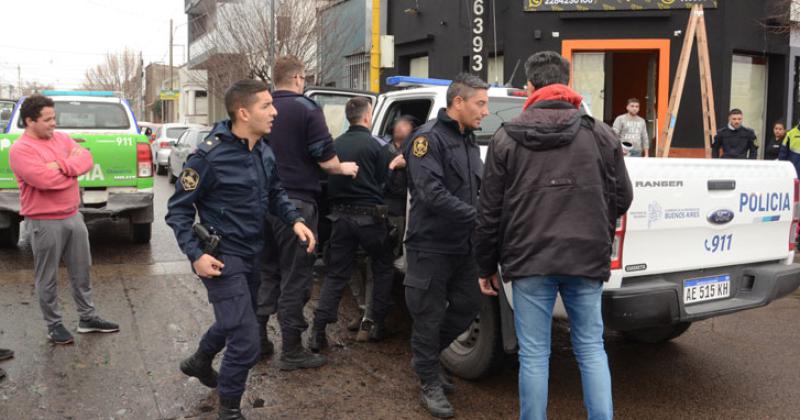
x: 736, y: 144
x: 444, y: 171
x: 359, y: 146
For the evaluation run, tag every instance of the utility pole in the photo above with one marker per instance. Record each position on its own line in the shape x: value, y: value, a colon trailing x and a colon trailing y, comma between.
x: 171, y: 71
x: 19, y: 80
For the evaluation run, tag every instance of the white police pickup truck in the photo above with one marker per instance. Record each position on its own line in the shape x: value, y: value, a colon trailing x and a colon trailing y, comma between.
x: 702, y: 238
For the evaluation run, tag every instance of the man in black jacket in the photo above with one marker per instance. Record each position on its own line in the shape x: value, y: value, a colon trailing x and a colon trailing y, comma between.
x: 550, y: 228
x: 444, y: 175
x: 735, y: 140
x: 359, y: 217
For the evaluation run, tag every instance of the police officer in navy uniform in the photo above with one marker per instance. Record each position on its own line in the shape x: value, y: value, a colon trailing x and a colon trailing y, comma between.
x: 360, y: 218
x: 231, y: 182
x: 444, y: 171
x: 735, y: 140
x: 303, y: 145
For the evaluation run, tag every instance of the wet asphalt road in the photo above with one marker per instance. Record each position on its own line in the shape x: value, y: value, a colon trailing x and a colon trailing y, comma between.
x: 743, y: 366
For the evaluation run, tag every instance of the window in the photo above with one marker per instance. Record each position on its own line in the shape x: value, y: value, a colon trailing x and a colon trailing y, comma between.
x: 333, y: 105
x: 749, y: 91
x: 418, y: 67
x: 200, y: 102
x: 418, y: 108
x: 500, y: 111
x: 358, y: 71
x: 175, y: 132
x: 90, y: 115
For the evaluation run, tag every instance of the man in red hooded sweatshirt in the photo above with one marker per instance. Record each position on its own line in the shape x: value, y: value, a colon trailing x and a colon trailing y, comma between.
x: 553, y: 187
x: 47, y: 165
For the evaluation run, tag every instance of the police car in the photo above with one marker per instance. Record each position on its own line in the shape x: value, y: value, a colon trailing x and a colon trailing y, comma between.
x: 120, y: 185
x: 702, y: 238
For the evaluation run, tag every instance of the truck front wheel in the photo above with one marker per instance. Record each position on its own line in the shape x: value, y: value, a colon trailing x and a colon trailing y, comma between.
x: 9, y: 236
x: 655, y: 335
x: 477, y: 352
x: 141, y: 232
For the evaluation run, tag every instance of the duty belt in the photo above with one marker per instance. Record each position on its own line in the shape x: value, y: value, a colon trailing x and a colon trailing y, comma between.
x: 379, y: 211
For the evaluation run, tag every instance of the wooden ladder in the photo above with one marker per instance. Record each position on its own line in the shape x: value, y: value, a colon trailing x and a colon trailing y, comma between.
x: 695, y: 29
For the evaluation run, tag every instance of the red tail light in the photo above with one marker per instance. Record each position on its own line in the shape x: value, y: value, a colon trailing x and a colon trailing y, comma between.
x: 144, y: 161
x: 165, y: 145
x: 616, y: 246
x: 795, y: 216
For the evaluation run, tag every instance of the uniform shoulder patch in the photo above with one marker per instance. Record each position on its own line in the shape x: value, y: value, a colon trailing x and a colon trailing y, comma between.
x: 190, y: 179
x: 420, y: 147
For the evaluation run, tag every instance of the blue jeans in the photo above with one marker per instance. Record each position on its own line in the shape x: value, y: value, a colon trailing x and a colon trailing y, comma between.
x: 534, y: 298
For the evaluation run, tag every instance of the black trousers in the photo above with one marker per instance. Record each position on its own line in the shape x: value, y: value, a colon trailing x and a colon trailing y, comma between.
x: 350, y: 232
x: 286, y: 274
x: 443, y: 298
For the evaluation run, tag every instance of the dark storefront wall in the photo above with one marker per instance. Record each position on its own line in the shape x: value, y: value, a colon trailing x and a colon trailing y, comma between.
x: 441, y: 31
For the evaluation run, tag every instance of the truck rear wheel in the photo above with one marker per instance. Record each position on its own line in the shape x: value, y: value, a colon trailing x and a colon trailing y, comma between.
x: 657, y: 335
x: 477, y: 352
x: 9, y: 236
x: 141, y: 232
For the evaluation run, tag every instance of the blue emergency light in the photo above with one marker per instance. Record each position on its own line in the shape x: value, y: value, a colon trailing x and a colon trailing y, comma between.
x: 405, y: 81
x: 95, y: 93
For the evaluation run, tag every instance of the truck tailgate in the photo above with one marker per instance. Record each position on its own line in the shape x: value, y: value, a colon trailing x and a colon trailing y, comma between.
x: 690, y: 214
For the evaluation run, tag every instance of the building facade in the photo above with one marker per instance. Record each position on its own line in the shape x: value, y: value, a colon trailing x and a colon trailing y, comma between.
x: 619, y: 49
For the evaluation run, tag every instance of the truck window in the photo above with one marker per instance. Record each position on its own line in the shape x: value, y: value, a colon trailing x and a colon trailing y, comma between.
x: 500, y: 111
x: 418, y: 108
x: 333, y: 105
x: 90, y: 115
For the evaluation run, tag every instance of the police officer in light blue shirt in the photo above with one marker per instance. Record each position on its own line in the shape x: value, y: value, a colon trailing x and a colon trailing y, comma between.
x: 232, y: 183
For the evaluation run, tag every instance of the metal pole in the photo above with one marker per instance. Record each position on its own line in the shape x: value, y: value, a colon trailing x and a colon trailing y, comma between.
x: 19, y: 80
x: 273, y: 35
x: 171, y: 72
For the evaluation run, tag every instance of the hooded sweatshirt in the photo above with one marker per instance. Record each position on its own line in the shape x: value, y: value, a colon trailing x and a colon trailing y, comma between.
x: 47, y: 193
x: 554, y: 185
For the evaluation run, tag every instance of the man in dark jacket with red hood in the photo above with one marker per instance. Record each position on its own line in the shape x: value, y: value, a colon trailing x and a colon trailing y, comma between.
x: 553, y: 187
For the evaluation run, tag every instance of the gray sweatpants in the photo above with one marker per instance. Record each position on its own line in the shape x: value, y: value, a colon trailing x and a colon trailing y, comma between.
x: 51, y: 240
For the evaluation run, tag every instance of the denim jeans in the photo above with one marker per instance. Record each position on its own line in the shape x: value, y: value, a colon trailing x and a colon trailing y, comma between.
x: 534, y: 298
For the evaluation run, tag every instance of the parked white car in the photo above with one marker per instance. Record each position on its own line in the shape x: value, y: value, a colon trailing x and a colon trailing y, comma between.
x: 166, y: 136
x: 184, y: 146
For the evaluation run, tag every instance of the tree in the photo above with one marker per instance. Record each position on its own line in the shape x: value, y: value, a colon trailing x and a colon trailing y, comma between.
x: 782, y: 16
x: 119, y: 72
x: 240, y: 45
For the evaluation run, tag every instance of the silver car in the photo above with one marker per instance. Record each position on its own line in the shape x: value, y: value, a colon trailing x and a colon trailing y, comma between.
x: 182, y: 148
x: 166, y: 136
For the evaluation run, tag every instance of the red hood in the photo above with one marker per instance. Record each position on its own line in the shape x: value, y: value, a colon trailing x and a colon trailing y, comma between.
x: 554, y: 93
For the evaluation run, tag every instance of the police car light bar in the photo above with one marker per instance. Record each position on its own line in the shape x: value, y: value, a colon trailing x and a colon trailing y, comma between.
x: 95, y: 93
x: 406, y: 81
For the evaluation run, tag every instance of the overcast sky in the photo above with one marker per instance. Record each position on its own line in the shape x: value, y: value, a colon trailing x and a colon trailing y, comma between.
x: 56, y: 41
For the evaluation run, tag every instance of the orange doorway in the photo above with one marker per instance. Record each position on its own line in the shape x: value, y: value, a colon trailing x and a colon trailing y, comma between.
x: 610, y: 71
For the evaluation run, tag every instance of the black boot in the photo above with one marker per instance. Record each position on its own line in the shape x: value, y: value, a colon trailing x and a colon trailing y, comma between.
x: 198, y: 365
x: 294, y: 356
x: 229, y: 409
x: 433, y: 399
x: 377, y: 332
x: 267, y: 347
x: 317, y: 341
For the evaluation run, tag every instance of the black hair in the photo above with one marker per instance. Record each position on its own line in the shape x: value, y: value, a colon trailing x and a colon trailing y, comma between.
x: 355, y: 108
x: 464, y: 85
x: 242, y: 94
x: 547, y: 68
x: 32, y: 107
x: 735, y: 111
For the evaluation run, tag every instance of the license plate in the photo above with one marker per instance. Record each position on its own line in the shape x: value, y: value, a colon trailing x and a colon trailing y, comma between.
x: 706, y: 288
x: 95, y: 196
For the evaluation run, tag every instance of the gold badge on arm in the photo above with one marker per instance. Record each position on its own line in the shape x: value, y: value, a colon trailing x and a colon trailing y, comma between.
x: 190, y: 179
x: 420, y: 147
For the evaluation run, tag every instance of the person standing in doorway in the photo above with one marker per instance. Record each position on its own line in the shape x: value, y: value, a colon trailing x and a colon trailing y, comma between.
x: 735, y: 140
x: 302, y: 145
x: 632, y: 129
x: 550, y: 229
x: 47, y: 164
x: 773, y: 148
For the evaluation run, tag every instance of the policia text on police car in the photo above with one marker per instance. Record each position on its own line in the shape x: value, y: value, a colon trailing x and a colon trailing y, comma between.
x: 231, y: 183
